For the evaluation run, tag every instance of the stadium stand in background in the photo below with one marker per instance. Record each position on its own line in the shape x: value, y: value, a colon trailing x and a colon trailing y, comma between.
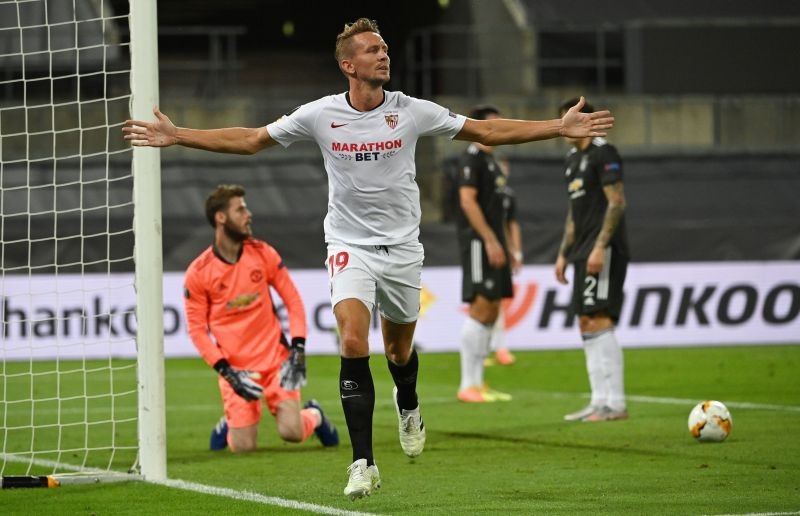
x: 731, y: 131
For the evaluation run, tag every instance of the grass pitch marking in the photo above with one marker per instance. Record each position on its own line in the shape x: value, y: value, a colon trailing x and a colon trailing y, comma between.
x: 681, y: 401
x: 731, y: 404
x: 257, y: 498
x: 234, y: 494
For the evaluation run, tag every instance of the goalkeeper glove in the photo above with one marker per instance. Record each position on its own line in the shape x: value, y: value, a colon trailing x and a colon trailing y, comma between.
x: 293, y: 369
x: 241, y: 381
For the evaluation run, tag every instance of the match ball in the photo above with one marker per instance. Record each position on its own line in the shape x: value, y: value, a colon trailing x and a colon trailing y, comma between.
x: 710, y: 421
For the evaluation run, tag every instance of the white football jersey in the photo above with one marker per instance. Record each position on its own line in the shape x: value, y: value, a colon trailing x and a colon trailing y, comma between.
x: 373, y: 197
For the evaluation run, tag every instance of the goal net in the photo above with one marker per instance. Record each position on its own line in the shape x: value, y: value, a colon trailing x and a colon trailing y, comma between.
x: 73, y: 243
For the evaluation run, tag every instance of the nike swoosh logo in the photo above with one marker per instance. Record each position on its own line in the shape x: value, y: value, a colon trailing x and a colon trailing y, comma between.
x: 350, y: 396
x: 335, y: 125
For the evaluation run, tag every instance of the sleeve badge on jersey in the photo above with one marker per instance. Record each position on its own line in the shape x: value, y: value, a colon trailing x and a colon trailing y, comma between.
x: 186, y: 293
x: 611, y: 166
x: 391, y: 119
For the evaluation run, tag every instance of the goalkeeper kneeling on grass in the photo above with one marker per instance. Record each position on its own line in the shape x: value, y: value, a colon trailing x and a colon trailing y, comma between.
x: 234, y: 325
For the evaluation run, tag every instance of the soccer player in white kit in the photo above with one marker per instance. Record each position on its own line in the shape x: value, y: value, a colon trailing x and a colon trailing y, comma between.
x: 368, y: 137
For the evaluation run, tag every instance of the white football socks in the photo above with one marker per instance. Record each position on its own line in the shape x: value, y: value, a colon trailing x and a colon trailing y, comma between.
x: 475, y: 338
x: 605, y: 366
x: 498, y: 339
x: 613, y: 368
x: 594, y: 368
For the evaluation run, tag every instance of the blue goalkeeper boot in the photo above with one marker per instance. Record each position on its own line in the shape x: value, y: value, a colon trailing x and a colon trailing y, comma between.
x: 219, y: 435
x: 326, y: 431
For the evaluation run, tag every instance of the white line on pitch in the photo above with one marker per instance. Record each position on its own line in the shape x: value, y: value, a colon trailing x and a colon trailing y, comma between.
x: 762, y: 514
x: 731, y: 404
x: 691, y: 402
x: 248, y: 496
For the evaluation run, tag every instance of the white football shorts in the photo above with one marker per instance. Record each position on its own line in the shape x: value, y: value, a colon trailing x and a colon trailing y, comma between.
x: 387, y: 276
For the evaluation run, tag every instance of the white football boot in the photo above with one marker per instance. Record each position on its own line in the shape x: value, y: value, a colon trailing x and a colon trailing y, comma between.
x: 583, y: 413
x: 363, y: 479
x: 606, y: 414
x: 412, y: 429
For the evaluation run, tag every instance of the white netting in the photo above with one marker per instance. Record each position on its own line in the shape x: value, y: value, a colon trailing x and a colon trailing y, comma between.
x: 68, y: 388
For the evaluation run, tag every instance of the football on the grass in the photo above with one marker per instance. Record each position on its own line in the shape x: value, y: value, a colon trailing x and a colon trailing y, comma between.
x: 710, y: 421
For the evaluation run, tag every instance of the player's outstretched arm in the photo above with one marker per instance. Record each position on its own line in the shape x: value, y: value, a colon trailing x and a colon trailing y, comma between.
x: 502, y: 131
x: 162, y: 133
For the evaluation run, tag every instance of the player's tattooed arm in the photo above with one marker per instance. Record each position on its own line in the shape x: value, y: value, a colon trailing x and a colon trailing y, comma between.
x: 569, y: 234
x: 615, y: 194
x: 566, y: 243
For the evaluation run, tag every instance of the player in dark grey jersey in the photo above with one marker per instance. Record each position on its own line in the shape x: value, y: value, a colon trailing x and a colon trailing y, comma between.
x: 485, y: 201
x: 596, y: 243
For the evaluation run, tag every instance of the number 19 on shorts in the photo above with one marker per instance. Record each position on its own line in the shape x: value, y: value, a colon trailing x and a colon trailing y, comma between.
x: 338, y: 261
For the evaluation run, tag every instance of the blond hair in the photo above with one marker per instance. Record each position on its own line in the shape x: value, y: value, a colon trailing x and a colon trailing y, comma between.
x: 343, y: 47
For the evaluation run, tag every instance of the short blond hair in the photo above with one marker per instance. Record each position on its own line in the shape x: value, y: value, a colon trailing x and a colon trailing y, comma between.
x: 343, y: 47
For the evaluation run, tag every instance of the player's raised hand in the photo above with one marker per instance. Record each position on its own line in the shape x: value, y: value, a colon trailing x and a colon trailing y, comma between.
x: 241, y: 381
x: 160, y: 133
x: 575, y: 124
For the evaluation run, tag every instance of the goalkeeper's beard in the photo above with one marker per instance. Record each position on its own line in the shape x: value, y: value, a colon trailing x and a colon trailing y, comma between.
x: 235, y: 234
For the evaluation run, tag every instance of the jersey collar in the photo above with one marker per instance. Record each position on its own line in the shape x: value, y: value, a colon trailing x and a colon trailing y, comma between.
x: 347, y: 98
x: 219, y: 255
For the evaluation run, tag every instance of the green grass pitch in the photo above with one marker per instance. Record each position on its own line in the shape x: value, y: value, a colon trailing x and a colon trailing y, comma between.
x: 503, y: 458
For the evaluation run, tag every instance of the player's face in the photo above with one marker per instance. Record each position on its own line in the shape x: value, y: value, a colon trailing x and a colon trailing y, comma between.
x: 370, y: 59
x: 237, y: 220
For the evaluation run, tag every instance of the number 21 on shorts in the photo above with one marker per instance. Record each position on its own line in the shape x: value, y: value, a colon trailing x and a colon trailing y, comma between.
x: 338, y: 261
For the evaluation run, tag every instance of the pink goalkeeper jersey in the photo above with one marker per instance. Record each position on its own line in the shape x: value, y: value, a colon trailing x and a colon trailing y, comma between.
x: 229, y: 309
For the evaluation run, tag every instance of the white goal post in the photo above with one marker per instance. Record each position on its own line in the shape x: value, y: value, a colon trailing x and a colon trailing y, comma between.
x: 148, y: 256
x: 80, y: 235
